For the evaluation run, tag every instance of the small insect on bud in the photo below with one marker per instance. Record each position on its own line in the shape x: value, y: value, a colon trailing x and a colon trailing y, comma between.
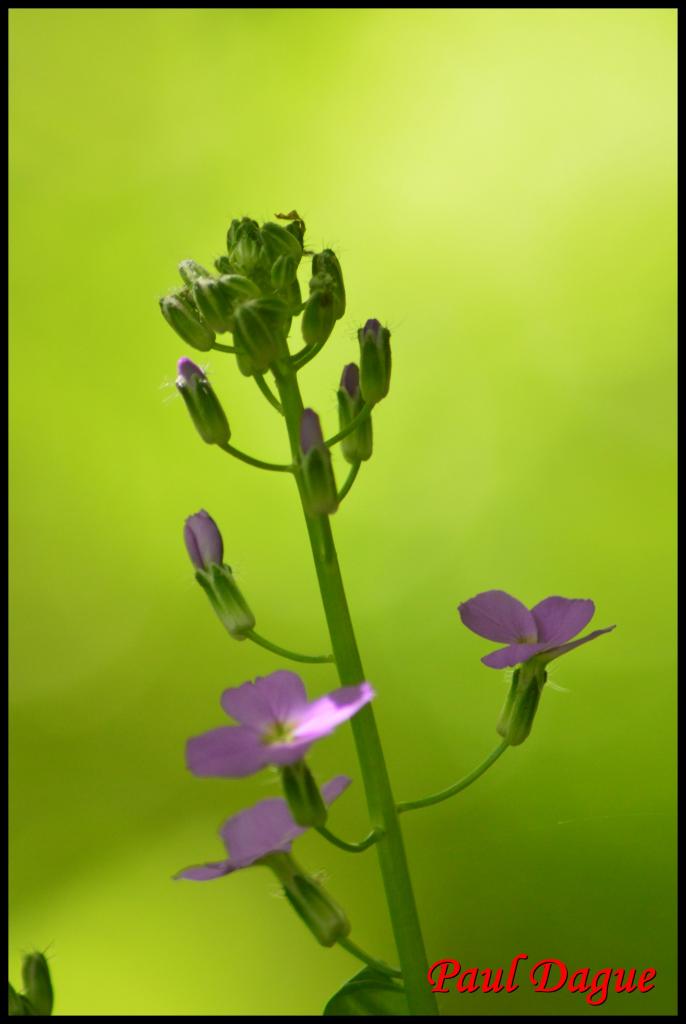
x: 180, y: 314
x: 357, y: 445
x: 37, y: 984
x: 202, y: 403
x: 260, y: 327
x: 311, y: 902
x: 319, y: 486
x: 326, y: 262
x: 375, y: 361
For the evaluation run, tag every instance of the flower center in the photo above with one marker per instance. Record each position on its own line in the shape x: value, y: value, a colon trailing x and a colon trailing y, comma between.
x: 526, y: 640
x: 278, y: 732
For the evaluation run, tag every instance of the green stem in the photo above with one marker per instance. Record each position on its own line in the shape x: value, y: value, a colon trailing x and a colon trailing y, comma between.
x: 376, y: 965
x: 305, y: 354
x: 368, y: 841
x: 457, y: 787
x: 363, y: 414
x: 382, y: 811
x: 223, y: 348
x: 284, y: 652
x: 267, y: 392
x: 349, y: 481
x: 258, y: 463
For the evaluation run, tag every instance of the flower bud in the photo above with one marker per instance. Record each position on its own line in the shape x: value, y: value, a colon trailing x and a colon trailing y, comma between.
x: 319, y: 316
x: 203, y: 540
x: 319, y: 486
x: 283, y: 272
x: 326, y: 262
x: 325, y: 919
x: 303, y: 796
x: 375, y: 361
x: 357, y: 445
x: 202, y: 403
x: 229, y: 604
x: 521, y: 703
x: 279, y: 241
x: 223, y: 265
x: 180, y: 314
x: 259, y: 329
x: 190, y: 272
x: 213, y: 302
x: 245, y: 245
x: 19, y: 1005
x: 37, y: 984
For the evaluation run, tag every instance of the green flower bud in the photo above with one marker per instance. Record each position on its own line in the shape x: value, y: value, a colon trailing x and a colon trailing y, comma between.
x: 303, y: 796
x: 279, y: 241
x: 325, y: 919
x: 521, y: 703
x: 375, y: 361
x: 190, y: 271
x: 245, y: 245
x: 37, y: 984
x: 319, y: 485
x: 326, y: 262
x: 319, y: 316
x: 293, y: 297
x: 283, y: 272
x: 202, y: 403
x: 19, y: 1006
x: 223, y: 265
x: 260, y: 327
x: 180, y: 314
x: 229, y: 604
x: 356, y: 446
x: 214, y: 303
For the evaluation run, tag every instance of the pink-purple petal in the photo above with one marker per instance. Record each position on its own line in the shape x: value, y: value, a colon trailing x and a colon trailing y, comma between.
x: 515, y: 654
x: 284, y: 692
x: 558, y: 619
x: 498, y: 616
x: 268, y: 827
x: 323, y: 715
x: 557, y: 651
x: 206, y: 872
x: 287, y: 753
x: 248, y: 705
x: 231, y: 751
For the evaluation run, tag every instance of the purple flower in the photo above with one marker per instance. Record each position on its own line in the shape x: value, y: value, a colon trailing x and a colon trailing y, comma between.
x: 186, y: 370
x: 546, y: 629
x: 258, y: 831
x: 203, y: 540
x: 277, y: 725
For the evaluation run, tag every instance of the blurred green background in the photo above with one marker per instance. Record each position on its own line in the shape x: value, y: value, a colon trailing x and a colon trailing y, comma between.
x: 500, y: 188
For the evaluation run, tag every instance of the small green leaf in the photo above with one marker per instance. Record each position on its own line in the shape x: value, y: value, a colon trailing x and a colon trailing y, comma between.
x: 368, y: 994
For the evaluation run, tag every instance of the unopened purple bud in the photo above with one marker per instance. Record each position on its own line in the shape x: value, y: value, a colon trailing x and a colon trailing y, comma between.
x: 186, y: 369
x: 375, y: 361
x: 202, y: 403
x: 320, y: 496
x: 372, y: 327
x: 203, y: 540
x: 310, y: 431
x: 350, y: 379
